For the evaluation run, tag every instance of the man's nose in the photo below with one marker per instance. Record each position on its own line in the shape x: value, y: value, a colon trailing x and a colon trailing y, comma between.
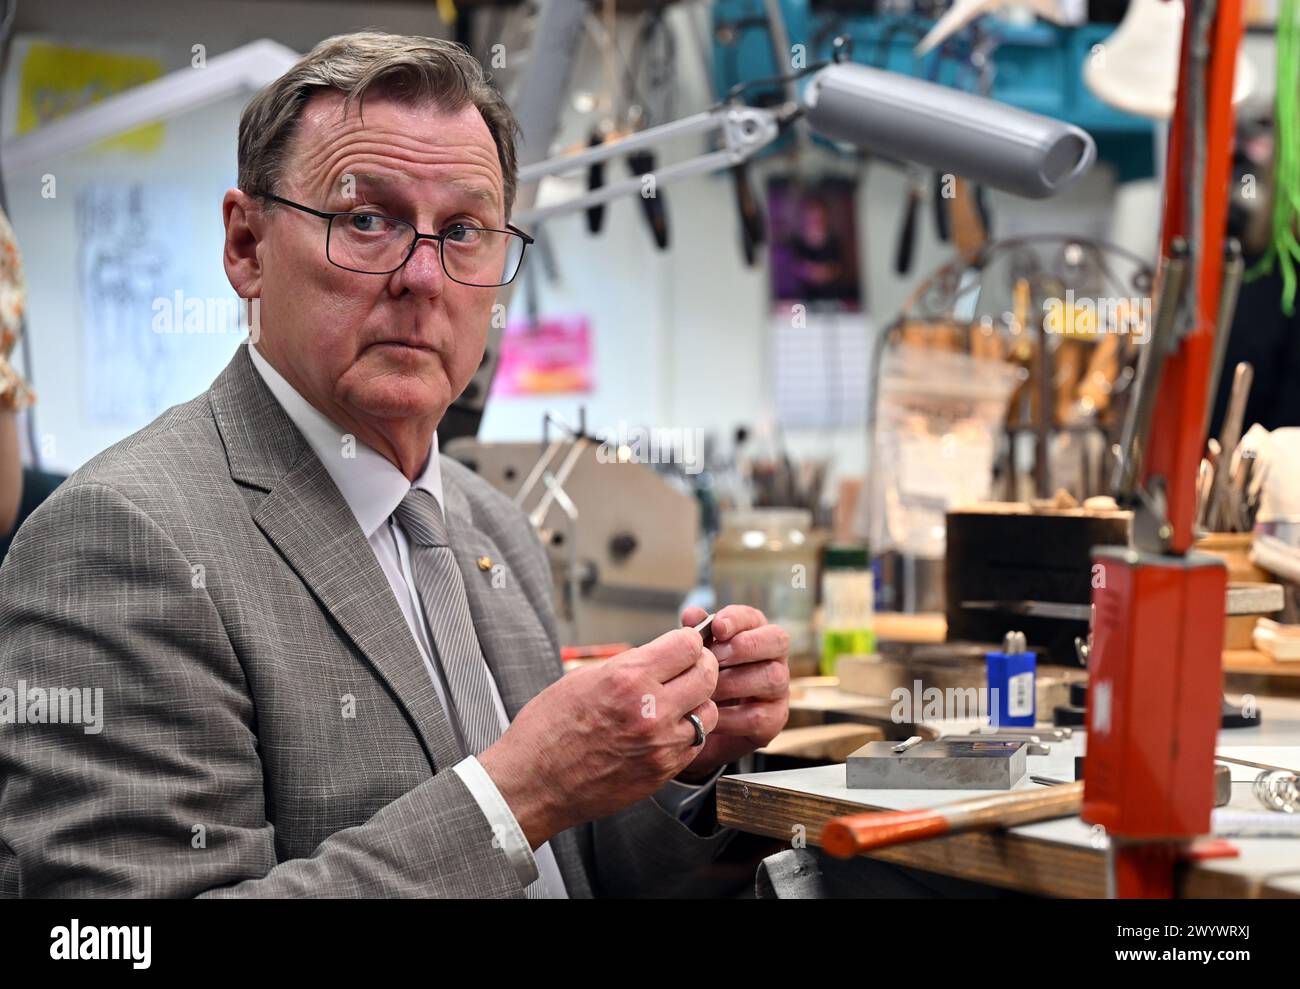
x: 422, y: 274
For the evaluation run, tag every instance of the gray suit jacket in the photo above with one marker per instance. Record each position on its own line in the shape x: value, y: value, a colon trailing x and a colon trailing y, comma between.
x: 209, y: 577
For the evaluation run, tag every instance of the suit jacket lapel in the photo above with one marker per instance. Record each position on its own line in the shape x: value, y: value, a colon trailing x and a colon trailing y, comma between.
x: 306, y: 518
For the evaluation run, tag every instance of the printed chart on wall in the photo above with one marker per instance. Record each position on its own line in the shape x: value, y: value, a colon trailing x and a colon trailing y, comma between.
x: 819, y: 339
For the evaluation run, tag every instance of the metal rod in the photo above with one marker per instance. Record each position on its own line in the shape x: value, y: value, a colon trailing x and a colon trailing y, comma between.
x: 552, y: 481
x: 1137, y: 423
x: 1234, y: 267
x: 713, y: 162
x: 1254, y: 765
x: 703, y: 121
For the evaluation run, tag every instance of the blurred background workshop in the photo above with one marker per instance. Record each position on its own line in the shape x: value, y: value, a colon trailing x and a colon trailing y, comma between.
x: 961, y: 339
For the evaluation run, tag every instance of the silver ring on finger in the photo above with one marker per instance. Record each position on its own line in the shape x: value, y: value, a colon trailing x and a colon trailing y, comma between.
x: 700, y: 733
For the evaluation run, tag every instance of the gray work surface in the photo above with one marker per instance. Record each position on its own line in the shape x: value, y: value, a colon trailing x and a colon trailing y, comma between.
x: 1274, y: 861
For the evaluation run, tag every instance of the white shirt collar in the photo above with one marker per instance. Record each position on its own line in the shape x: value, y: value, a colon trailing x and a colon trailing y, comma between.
x: 371, y: 485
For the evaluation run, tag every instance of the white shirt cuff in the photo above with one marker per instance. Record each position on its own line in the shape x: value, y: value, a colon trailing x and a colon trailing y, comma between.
x: 506, y: 833
x: 683, y: 800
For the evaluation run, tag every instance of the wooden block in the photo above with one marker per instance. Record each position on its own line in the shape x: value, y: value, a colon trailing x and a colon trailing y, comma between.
x: 1233, y: 548
x: 1254, y: 662
x: 831, y: 743
x: 895, y: 626
x: 1238, y: 631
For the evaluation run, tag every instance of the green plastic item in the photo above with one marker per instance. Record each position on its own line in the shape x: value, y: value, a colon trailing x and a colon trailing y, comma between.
x: 848, y: 590
x: 1285, y: 248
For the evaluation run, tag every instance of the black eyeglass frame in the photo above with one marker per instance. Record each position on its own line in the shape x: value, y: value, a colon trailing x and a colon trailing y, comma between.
x: 440, y: 238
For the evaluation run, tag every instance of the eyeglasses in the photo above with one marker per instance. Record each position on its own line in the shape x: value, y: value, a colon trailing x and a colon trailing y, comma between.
x: 374, y: 244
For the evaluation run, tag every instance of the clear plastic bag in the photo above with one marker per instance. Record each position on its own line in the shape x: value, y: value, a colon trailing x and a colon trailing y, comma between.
x: 939, y: 421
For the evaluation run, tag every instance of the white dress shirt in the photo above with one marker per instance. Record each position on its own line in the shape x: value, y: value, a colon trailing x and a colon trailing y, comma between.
x: 373, y: 487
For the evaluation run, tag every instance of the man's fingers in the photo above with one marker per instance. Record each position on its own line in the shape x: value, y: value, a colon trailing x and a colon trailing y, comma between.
x: 766, y: 642
x: 692, y: 616
x: 687, y: 690
x: 765, y: 680
x: 761, y: 718
x: 667, y: 656
x: 736, y: 618
x: 708, y: 715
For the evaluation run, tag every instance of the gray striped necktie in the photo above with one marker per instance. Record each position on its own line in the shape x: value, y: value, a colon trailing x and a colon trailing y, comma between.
x: 446, y: 610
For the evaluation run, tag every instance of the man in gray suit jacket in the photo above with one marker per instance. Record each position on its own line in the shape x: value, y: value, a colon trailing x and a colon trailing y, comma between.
x: 274, y: 645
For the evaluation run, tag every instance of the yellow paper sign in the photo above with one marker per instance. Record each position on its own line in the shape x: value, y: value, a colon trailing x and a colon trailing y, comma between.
x: 55, y: 80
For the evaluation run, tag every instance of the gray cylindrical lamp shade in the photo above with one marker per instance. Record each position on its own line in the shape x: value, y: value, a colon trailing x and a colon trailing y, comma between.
x: 980, y: 139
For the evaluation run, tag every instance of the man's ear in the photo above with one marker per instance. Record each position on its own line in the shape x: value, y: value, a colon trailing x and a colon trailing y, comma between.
x: 245, y: 226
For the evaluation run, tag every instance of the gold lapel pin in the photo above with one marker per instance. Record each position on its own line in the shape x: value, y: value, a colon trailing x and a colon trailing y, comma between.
x: 485, y: 563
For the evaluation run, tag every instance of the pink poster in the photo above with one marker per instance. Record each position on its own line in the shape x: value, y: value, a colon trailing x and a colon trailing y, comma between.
x: 551, y: 356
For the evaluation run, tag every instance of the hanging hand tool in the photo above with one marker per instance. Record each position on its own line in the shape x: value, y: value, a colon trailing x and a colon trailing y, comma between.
x: 642, y: 163
x: 595, y: 179
x: 907, y: 233
x: 968, y: 226
x: 942, y: 222
x: 753, y: 229
x: 654, y: 55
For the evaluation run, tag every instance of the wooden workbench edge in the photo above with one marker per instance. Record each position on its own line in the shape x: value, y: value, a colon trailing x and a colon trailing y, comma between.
x: 1004, y: 859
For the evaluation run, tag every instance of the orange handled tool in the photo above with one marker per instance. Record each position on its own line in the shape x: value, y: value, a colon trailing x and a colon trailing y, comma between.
x: 845, y: 837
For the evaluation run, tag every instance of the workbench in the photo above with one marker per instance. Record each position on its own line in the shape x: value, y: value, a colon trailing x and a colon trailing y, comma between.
x: 1062, y: 858
x: 931, y: 629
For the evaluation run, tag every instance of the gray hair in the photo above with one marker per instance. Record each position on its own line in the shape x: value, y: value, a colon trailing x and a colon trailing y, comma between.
x: 408, y: 68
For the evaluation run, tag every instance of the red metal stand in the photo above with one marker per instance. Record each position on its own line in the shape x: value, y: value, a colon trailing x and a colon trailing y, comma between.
x: 1155, y: 677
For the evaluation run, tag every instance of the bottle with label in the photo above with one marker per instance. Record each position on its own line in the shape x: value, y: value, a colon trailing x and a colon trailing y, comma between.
x: 848, y: 605
x: 1012, y: 690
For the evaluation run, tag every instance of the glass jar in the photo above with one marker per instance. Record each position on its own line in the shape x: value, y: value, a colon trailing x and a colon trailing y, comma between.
x: 767, y: 558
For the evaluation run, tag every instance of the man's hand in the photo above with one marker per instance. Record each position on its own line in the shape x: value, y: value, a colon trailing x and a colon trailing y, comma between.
x: 753, y: 692
x: 604, y: 737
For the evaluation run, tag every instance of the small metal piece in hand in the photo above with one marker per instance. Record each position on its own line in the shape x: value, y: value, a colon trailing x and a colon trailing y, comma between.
x: 904, y: 746
x: 705, y: 628
x: 694, y: 719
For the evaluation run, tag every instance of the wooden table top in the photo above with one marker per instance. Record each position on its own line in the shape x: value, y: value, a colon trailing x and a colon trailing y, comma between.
x: 1063, y: 858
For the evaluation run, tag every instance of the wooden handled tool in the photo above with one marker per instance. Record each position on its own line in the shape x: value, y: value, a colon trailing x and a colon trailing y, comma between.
x: 845, y: 837
x: 969, y: 231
